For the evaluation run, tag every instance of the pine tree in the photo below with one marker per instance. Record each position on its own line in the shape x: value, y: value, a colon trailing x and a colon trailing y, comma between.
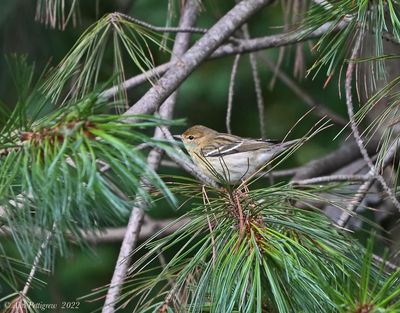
x: 81, y: 153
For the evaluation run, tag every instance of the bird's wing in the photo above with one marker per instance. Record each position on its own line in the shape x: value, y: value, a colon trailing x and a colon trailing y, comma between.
x: 236, y: 146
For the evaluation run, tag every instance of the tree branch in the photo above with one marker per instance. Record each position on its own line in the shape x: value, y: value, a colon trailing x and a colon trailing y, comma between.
x: 148, y: 229
x: 241, y: 46
x: 354, y: 128
x: 344, y: 155
x: 330, y: 179
x: 185, y: 65
x: 188, y: 17
x: 284, y: 39
x: 363, y: 189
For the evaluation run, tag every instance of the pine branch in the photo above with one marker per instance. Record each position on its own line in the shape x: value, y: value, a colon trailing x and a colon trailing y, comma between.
x: 258, y: 244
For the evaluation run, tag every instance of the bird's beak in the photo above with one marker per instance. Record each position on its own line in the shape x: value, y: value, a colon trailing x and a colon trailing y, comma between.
x: 177, y: 137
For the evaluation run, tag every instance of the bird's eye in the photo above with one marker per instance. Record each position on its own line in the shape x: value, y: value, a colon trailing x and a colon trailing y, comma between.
x: 191, y: 137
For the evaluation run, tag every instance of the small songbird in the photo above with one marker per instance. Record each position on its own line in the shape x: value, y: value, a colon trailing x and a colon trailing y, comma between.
x: 228, y: 157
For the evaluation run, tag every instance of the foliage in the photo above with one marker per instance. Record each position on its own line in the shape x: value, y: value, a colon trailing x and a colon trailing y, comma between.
x: 113, y: 31
x: 359, y: 17
x: 76, y: 167
x: 372, y: 290
x: 244, y: 251
x: 56, y: 13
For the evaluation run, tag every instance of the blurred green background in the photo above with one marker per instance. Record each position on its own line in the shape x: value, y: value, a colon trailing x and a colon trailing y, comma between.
x: 202, y: 100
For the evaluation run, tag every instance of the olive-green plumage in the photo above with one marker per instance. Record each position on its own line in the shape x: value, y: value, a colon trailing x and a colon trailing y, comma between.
x: 232, y: 157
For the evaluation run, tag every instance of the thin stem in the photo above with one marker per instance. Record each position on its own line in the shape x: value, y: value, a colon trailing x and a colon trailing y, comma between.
x: 354, y: 128
x: 388, y: 264
x: 257, y: 86
x: 260, y: 98
x: 162, y: 29
x: 149, y: 228
x: 275, y: 174
x: 330, y: 179
x: 231, y: 93
x: 36, y: 261
x: 355, y: 202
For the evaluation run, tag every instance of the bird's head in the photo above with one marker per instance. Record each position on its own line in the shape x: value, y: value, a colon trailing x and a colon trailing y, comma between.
x: 197, y: 137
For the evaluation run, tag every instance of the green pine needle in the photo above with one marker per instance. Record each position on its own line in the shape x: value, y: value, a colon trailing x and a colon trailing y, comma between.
x: 78, y: 168
x: 245, y: 251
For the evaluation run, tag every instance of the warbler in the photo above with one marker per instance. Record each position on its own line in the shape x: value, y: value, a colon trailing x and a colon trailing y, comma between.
x: 229, y: 157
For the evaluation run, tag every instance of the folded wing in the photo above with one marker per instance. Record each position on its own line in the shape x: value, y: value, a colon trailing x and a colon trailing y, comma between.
x: 237, y: 146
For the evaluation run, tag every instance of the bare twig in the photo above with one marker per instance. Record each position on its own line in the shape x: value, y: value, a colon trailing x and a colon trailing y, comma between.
x: 149, y: 228
x: 354, y: 203
x: 275, y: 174
x: 168, y: 299
x: 162, y: 29
x: 260, y: 98
x: 257, y: 85
x: 287, y: 12
x: 36, y: 261
x: 330, y: 179
x: 354, y: 128
x: 283, y: 39
x: 282, y: 173
x: 388, y: 264
x: 137, y: 80
x: 116, y: 234
x: 231, y: 93
x: 364, y: 188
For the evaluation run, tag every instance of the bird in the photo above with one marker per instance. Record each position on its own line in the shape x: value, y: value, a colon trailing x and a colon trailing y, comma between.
x: 229, y: 158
